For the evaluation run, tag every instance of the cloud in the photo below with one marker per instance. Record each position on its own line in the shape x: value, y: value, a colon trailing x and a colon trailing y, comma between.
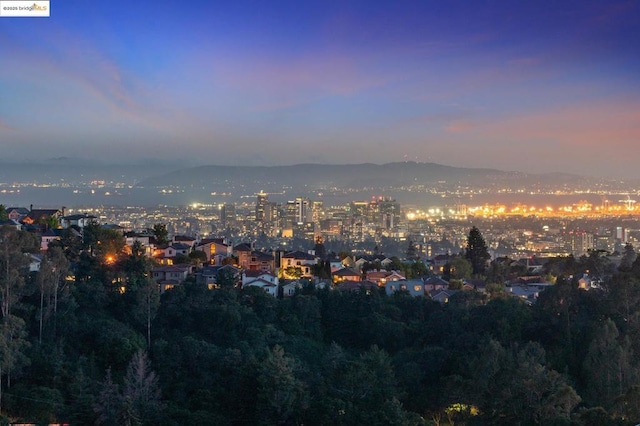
x: 65, y: 58
x: 276, y: 82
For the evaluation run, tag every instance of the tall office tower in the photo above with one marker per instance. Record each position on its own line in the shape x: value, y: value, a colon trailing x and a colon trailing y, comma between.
x: 389, y: 213
x: 317, y: 211
x: 303, y: 210
x: 359, y: 208
x: 228, y: 215
x: 261, y: 200
x: 289, y: 214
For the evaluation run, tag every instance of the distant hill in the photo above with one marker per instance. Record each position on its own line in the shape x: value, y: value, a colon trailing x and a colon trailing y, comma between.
x: 145, y: 184
x: 350, y: 175
x: 75, y: 172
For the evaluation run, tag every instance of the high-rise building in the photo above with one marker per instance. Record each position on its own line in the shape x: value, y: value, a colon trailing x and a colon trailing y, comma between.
x: 580, y: 242
x: 228, y: 214
x: 317, y: 211
x: 261, y: 200
x: 389, y: 213
x: 303, y: 211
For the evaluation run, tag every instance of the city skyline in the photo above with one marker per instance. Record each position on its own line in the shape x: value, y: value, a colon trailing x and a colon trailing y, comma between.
x: 533, y: 87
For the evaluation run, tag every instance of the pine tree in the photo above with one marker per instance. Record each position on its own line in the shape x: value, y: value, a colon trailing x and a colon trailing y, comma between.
x: 477, y: 252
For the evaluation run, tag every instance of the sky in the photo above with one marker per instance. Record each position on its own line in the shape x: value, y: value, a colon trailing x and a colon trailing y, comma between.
x: 534, y: 86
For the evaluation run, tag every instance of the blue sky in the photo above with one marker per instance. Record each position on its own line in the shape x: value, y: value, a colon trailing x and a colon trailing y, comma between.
x: 534, y: 86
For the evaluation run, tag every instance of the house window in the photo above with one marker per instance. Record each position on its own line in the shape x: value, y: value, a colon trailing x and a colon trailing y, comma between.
x: 417, y: 287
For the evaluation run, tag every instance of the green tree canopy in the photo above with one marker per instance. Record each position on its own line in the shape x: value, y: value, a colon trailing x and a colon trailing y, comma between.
x: 477, y: 252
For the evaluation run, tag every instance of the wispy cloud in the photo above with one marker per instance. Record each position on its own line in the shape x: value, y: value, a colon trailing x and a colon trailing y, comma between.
x: 281, y: 83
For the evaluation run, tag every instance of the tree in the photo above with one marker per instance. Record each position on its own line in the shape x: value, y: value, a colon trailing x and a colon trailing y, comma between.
x: 109, y: 404
x: 280, y: 392
x: 628, y: 257
x: 412, y: 252
x: 477, y: 252
x: 51, y: 281
x: 293, y: 272
x: 70, y: 242
x: 3, y: 212
x: 319, y: 249
x: 13, y: 343
x: 460, y: 268
x: 161, y: 234
x: 138, y: 403
x: 141, y: 392
x: 197, y: 257
x: 514, y: 386
x: 147, y: 300
x: 608, y: 367
x: 14, y: 265
x: 142, y: 295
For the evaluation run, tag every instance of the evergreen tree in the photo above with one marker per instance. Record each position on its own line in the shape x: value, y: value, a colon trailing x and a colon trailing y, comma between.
x: 161, y: 234
x: 628, y: 257
x: 477, y: 252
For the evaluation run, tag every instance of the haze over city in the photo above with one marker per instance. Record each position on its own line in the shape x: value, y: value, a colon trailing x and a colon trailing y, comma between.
x: 529, y: 86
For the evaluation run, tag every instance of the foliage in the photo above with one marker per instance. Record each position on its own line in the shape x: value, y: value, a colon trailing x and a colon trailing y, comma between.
x: 228, y: 355
x: 161, y: 234
x: 476, y: 251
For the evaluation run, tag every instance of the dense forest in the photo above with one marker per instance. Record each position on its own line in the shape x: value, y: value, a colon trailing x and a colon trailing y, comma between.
x: 88, y: 339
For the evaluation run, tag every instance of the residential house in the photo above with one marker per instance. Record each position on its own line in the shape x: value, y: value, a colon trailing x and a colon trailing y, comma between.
x: 183, y: 239
x: 382, y: 277
x: 413, y: 287
x: 249, y: 276
x: 35, y: 260
x: 177, y: 249
x: 216, y: 249
x: 439, y: 262
x: 37, y: 216
x: 289, y: 289
x: 382, y: 260
x: 335, y: 264
x: 48, y: 236
x: 442, y: 296
x: 17, y: 213
x: 268, y: 287
x: 346, y: 274
x: 527, y: 290
x: 79, y: 220
x: 170, y: 276
x: 348, y: 262
x: 210, y: 275
x: 298, y: 259
x: 147, y: 241
x: 253, y: 259
x: 477, y: 285
x: 435, y: 283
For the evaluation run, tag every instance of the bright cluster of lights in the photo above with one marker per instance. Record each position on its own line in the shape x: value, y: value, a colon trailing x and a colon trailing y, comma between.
x: 581, y: 208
